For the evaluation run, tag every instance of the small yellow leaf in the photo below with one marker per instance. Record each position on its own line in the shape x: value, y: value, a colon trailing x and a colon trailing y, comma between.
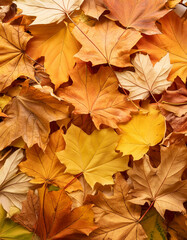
x: 142, y: 131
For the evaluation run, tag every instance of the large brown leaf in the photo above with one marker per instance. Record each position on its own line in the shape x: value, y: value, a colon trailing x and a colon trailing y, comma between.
x: 138, y: 14
x: 29, y: 115
x: 13, y: 60
x: 163, y: 184
x: 172, y: 40
x: 57, y: 220
x: 105, y: 104
x: 106, y: 43
x: 117, y: 218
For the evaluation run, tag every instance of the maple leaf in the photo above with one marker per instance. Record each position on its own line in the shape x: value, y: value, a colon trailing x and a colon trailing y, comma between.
x: 105, y: 43
x: 93, y: 8
x: 97, y: 163
x: 105, y: 104
x: 58, y: 45
x: 10, y: 230
x: 13, y: 185
x: 143, y: 131
x: 163, y: 184
x: 29, y: 115
x: 56, y: 220
x: 13, y: 60
x: 48, y: 11
x: 146, y: 79
x: 115, y: 215
x: 29, y: 212
x: 45, y: 166
x: 140, y: 15
x: 172, y: 41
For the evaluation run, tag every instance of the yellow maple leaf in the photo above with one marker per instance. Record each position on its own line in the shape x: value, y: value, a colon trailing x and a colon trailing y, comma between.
x: 143, y: 131
x: 93, y: 155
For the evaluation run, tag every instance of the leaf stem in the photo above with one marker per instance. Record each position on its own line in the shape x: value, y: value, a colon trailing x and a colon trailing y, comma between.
x: 146, y: 212
x: 76, y: 177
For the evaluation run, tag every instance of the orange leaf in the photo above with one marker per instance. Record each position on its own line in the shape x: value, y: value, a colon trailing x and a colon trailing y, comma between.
x: 140, y: 15
x: 107, y: 43
x: 57, y: 44
x: 57, y: 220
x: 172, y: 40
x: 106, y: 105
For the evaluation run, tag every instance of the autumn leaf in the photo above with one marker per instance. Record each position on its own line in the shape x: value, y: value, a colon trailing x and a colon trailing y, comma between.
x: 172, y: 3
x: 29, y: 115
x: 162, y: 185
x: 146, y: 79
x: 29, y: 212
x: 140, y: 15
x: 105, y: 104
x: 57, y: 220
x: 154, y: 226
x: 97, y: 163
x: 93, y: 8
x: 48, y: 11
x: 57, y: 44
x: 10, y: 230
x: 178, y: 227
x: 45, y: 166
x: 143, y: 131
x: 105, y: 43
x: 13, y: 185
x: 172, y: 41
x: 13, y: 59
x: 115, y: 215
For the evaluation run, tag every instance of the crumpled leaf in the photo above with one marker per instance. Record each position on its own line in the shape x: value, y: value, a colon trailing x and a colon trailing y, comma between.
x: 105, y: 104
x: 48, y: 11
x: 140, y: 15
x: 13, y: 60
x: 13, y: 185
x: 97, y: 163
x: 29, y: 213
x: 29, y: 115
x: 163, y: 184
x: 107, y: 43
x: 93, y: 8
x: 172, y: 41
x: 143, y: 131
x: 116, y: 217
x: 56, y: 220
x: 10, y: 230
x: 146, y: 79
x: 45, y: 166
x: 154, y: 225
x: 57, y: 44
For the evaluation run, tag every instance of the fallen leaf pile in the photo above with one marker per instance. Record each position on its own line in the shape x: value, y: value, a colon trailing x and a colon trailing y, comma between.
x: 93, y: 119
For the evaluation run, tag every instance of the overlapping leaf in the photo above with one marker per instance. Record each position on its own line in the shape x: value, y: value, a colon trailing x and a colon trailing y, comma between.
x: 147, y: 79
x: 57, y: 44
x: 29, y: 115
x: 140, y: 15
x: 105, y: 104
x: 48, y: 11
x: 13, y: 60
x: 106, y: 43
x: 172, y: 40
x: 97, y: 163
x: 13, y: 186
x: 163, y: 184
x: 45, y: 166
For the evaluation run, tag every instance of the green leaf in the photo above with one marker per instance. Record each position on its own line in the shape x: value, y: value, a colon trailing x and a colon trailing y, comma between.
x: 153, y: 225
x: 10, y: 230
